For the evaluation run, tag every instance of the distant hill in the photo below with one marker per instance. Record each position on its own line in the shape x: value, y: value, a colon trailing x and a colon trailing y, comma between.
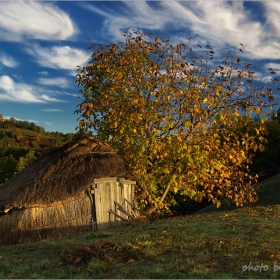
x: 28, y: 134
x: 22, y: 142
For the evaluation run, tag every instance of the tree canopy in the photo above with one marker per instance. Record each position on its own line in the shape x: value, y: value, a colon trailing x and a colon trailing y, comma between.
x: 182, y: 124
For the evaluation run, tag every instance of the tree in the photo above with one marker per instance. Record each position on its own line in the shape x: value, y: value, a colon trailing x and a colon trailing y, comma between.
x: 8, y: 167
x: 13, y: 122
x: 33, y: 126
x: 23, y: 124
x: 174, y: 119
x: 58, y: 139
x: 23, y: 162
x: 16, y: 133
x: 2, y: 134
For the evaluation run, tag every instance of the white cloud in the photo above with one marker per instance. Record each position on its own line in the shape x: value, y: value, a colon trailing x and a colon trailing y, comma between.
x: 58, y: 57
x: 137, y: 14
x: 31, y: 120
x: 43, y: 73
x: 96, y: 10
x: 51, y: 99
x: 13, y: 91
x: 265, y: 77
x: 59, y: 82
x: 8, y: 60
x: 36, y: 20
x: 274, y: 66
x: 73, y: 73
x: 51, y: 110
x: 48, y: 123
x: 19, y: 78
x: 18, y: 119
x: 220, y: 23
x: 17, y: 92
x: 272, y: 10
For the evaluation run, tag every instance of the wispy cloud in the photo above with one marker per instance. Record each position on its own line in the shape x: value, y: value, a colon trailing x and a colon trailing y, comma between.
x: 221, y: 23
x: 56, y: 57
x: 105, y: 13
x: 28, y: 120
x: 31, y: 120
x: 59, y: 82
x: 274, y: 66
x: 272, y: 11
x: 8, y: 60
x: 11, y: 90
x: 139, y: 14
x: 50, y: 98
x: 51, y: 110
x: 18, y: 119
x: 36, y: 20
x: 19, y: 78
x: 73, y: 73
x: 17, y: 92
x: 43, y: 73
x: 265, y: 77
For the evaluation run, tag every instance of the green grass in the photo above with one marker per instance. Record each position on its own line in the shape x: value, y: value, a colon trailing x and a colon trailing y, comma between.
x: 27, y: 133
x: 211, y: 244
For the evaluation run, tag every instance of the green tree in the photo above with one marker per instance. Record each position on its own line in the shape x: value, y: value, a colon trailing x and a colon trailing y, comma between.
x: 23, y: 124
x: 174, y: 119
x: 13, y: 122
x: 58, y: 139
x: 33, y: 126
x: 2, y: 134
x: 26, y: 160
x: 69, y: 137
x: 16, y: 133
x: 8, y: 167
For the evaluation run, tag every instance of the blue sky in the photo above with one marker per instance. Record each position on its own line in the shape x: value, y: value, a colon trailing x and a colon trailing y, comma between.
x: 41, y: 43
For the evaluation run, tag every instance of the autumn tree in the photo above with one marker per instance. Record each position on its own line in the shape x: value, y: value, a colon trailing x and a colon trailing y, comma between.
x: 175, y: 118
x: 17, y: 133
x: 29, y: 158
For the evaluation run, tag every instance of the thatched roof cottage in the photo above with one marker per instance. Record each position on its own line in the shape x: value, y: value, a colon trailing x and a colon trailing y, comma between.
x: 83, y: 184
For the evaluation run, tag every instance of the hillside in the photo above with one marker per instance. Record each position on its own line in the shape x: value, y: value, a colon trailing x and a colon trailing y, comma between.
x: 22, y: 142
x: 242, y: 243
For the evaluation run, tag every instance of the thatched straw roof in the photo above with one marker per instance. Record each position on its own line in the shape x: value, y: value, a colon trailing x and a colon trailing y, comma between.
x: 63, y: 173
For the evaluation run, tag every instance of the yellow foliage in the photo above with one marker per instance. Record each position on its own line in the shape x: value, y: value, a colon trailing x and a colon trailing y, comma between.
x: 153, y: 108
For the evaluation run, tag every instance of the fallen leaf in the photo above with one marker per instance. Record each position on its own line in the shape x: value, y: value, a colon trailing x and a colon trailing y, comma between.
x: 227, y: 255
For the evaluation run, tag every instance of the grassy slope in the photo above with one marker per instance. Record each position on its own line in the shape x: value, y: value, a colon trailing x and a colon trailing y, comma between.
x: 27, y: 133
x: 203, y: 245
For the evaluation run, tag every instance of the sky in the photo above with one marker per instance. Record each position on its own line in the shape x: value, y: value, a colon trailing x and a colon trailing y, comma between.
x: 42, y: 43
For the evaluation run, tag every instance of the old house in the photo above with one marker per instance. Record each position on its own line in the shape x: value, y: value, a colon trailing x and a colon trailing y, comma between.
x: 82, y: 185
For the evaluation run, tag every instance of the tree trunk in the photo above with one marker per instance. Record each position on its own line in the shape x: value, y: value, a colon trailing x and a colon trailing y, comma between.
x: 151, y: 209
